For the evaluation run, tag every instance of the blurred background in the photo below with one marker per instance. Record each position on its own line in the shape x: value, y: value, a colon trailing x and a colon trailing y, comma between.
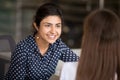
x: 16, y: 17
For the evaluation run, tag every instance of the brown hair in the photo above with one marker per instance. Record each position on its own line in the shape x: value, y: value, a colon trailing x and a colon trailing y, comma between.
x: 100, y: 56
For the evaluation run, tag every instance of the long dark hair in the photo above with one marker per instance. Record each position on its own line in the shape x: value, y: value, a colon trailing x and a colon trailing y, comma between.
x: 100, y: 56
x: 47, y: 9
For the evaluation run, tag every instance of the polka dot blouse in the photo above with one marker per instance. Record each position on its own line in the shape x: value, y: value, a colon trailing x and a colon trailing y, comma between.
x: 28, y: 64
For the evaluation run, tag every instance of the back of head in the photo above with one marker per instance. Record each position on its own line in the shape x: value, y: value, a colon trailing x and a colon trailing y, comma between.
x: 100, y: 46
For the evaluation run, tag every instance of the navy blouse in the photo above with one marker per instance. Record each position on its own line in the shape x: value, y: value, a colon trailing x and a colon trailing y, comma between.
x: 28, y: 64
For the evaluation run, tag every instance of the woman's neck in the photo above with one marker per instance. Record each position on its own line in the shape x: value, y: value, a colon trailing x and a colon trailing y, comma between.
x: 42, y: 45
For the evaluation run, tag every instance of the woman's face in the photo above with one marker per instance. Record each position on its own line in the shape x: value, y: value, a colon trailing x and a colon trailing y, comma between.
x: 50, y: 29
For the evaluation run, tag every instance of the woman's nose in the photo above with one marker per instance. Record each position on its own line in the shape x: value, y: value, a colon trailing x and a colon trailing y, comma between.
x: 53, y: 29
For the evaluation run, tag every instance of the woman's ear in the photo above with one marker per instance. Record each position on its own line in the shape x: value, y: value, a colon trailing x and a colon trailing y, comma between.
x: 35, y: 26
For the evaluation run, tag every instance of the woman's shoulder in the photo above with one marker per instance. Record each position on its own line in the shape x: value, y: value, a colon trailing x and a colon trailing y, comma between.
x: 60, y: 42
x: 27, y: 42
x: 62, y: 46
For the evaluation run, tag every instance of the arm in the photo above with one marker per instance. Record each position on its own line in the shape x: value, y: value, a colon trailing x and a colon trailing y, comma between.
x: 17, y: 69
x: 68, y: 55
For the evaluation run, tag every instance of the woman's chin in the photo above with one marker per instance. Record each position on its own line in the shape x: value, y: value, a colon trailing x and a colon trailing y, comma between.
x: 52, y: 41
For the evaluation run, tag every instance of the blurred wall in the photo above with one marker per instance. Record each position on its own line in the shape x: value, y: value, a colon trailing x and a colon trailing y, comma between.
x: 16, y: 17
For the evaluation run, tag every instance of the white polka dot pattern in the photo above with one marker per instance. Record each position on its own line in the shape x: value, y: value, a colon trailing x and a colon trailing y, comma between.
x: 28, y: 64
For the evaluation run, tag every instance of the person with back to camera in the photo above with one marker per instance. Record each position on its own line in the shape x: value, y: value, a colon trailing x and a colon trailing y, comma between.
x: 36, y: 57
x: 100, y: 58
x: 100, y: 55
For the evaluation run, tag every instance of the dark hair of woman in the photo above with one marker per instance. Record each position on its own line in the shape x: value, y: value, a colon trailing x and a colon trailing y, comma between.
x: 100, y: 56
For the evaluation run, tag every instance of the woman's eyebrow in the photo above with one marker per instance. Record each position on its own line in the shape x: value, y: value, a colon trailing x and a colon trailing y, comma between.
x: 50, y: 23
x: 47, y: 23
x: 58, y: 23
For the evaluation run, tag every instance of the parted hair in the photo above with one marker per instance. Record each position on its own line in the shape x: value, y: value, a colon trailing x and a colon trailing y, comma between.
x: 100, y: 55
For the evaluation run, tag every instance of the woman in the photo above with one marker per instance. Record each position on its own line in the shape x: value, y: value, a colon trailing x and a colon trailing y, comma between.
x: 100, y: 55
x: 100, y: 58
x: 36, y: 57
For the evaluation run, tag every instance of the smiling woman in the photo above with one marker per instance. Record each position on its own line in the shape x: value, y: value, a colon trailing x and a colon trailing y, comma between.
x: 48, y: 32
x: 36, y: 57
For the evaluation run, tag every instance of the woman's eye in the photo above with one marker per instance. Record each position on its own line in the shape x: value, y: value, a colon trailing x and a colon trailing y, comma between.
x: 58, y: 26
x: 47, y: 25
